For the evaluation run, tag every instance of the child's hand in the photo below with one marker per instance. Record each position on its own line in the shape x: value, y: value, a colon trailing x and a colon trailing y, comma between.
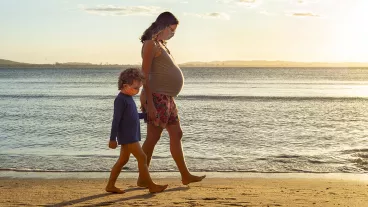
x: 113, y: 144
x: 143, y: 116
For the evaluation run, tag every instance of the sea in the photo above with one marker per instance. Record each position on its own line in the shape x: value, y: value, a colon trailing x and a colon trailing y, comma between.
x: 259, y: 120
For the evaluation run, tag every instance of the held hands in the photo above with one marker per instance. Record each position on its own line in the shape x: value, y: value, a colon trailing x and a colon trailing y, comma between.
x: 113, y: 144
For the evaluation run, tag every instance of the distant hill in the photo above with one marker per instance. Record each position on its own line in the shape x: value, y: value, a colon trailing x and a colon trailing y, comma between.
x: 73, y: 63
x: 230, y: 63
x: 9, y: 62
x: 13, y: 64
x: 265, y: 63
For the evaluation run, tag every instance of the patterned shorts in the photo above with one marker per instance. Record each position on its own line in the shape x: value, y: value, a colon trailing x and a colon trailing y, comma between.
x: 167, y: 113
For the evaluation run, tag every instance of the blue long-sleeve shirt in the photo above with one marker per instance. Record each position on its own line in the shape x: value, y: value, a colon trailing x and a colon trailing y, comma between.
x: 125, y: 124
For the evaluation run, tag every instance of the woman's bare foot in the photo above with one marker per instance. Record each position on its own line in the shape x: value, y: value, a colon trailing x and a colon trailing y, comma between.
x: 192, y: 179
x: 141, y: 183
x: 114, y: 189
x: 157, y: 188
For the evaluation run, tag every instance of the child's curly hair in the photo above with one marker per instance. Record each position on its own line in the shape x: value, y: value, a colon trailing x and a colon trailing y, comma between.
x: 129, y: 75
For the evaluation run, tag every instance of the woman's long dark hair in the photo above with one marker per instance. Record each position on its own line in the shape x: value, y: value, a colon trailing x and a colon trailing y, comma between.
x: 163, y: 20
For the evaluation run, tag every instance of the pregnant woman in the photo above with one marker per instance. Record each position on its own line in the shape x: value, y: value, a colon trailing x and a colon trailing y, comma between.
x: 164, y: 81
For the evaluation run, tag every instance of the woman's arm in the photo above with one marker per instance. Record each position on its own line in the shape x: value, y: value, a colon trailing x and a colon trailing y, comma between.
x: 149, y: 51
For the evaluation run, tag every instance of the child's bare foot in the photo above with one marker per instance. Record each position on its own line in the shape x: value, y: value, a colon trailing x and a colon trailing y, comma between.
x: 157, y: 188
x: 114, y: 189
x: 142, y: 183
x: 192, y: 179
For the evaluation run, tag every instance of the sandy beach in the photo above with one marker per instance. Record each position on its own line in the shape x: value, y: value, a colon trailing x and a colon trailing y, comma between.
x: 252, y: 191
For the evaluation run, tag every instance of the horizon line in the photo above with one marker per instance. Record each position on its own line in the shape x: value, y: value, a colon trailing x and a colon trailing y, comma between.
x: 193, y: 62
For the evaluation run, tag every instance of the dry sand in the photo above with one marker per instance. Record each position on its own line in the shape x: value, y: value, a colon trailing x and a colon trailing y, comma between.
x: 210, y: 192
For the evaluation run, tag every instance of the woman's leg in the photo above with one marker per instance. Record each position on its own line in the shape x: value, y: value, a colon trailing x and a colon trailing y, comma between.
x: 136, y: 150
x: 153, y: 132
x: 153, y: 135
x: 115, y: 171
x: 176, y: 150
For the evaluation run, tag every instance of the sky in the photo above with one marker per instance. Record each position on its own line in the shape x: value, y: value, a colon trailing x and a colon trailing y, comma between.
x: 108, y: 31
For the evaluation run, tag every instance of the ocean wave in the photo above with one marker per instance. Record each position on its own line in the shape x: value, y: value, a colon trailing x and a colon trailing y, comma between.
x: 46, y: 170
x: 128, y: 170
x: 43, y: 96
x: 272, y: 98
x: 351, y: 151
x: 287, y: 156
x: 64, y: 82
x: 186, y: 97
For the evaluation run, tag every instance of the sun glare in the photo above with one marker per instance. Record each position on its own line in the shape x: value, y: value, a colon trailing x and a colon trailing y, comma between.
x: 352, y: 32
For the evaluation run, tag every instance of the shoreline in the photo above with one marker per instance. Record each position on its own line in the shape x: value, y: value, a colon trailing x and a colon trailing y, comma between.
x: 183, y: 66
x: 362, y: 177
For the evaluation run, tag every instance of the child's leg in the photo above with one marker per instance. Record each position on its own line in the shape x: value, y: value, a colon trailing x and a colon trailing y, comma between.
x: 136, y: 150
x: 115, y: 171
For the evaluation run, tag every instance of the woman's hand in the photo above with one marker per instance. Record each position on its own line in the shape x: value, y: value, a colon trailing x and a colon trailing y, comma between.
x: 151, y: 111
x: 113, y: 144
